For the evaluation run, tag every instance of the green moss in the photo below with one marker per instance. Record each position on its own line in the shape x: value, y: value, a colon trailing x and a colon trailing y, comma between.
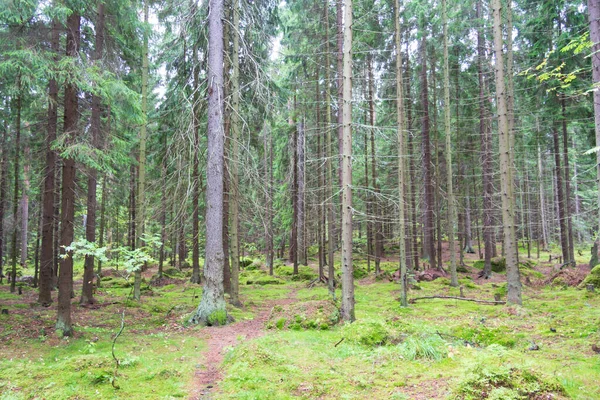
x: 359, y: 273
x: 245, y: 261
x: 593, y: 278
x: 498, y: 264
x: 280, y: 324
x: 217, y: 318
x: 505, y: 382
x: 368, y: 333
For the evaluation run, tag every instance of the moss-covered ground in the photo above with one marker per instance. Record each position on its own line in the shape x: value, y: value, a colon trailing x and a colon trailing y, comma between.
x: 434, y: 349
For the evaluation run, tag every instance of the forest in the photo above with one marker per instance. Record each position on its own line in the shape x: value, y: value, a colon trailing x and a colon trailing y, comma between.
x: 380, y: 199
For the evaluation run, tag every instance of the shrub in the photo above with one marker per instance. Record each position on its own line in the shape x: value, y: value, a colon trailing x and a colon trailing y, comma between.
x: 428, y: 347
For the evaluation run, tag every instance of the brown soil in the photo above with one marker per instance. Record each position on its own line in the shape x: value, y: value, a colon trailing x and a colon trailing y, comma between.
x: 219, y: 339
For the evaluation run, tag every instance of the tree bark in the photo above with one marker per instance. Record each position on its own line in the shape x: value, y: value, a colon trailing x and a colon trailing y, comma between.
x: 486, y: 157
x: 449, y: 177
x: 329, y: 166
x: 65, y: 280
x: 376, y: 209
x: 234, y: 198
x: 594, y: 18
x: 25, y: 206
x: 141, y: 188
x: 400, y: 132
x: 565, y: 136
x: 13, y: 273
x: 560, y: 202
x: 508, y: 208
x: 3, y: 183
x: 347, y: 309
x: 211, y: 310
x: 195, y: 278
x: 87, y: 292
x: 429, y: 243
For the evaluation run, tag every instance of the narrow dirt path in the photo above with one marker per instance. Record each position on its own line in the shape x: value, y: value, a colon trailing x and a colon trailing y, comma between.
x: 218, y: 339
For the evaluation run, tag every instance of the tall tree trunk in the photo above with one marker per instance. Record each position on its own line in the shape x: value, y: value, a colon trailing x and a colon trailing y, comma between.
x: 560, y: 203
x: 565, y: 135
x: 141, y: 194
x: 226, y: 160
x: 375, y: 207
x: 65, y: 279
x: 300, y: 204
x: 429, y: 244
x: 320, y: 177
x: 56, y: 221
x: 3, y: 183
x: 400, y: 132
x: 13, y: 273
x: 411, y: 170
x: 449, y: 177
x: 25, y: 206
x: 486, y: 157
x: 594, y: 17
x: 102, y: 229
x: 508, y: 200
x: 87, y: 292
x: 234, y: 199
x: 294, y: 238
x: 544, y: 229
x: 195, y: 278
x: 268, y: 159
x: 163, y: 211
x: 347, y: 309
x: 211, y: 310
x: 329, y: 166
x: 339, y: 80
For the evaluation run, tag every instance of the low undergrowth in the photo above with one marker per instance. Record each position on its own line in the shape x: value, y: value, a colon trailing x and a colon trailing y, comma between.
x: 435, y: 349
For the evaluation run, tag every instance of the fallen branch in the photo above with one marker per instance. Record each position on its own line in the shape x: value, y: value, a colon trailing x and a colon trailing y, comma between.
x: 341, y: 340
x: 113, y: 351
x: 493, y: 302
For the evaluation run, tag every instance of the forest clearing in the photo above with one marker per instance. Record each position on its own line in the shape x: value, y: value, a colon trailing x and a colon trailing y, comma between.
x: 261, y: 199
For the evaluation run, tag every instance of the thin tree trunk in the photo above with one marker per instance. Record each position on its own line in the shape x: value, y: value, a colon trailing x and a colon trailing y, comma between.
x: 400, y: 132
x: 486, y: 157
x: 301, y: 193
x: 226, y: 161
x: 196, y: 180
x: 13, y: 274
x: 347, y: 309
x: 560, y: 203
x: 508, y: 200
x: 3, y: 184
x: 25, y: 206
x: 328, y: 166
x: 411, y: 171
x: 294, y: 238
x: 267, y: 144
x: 429, y: 244
x: 544, y: 230
x: 141, y: 195
x: 102, y: 230
x: 568, y: 205
x: 375, y: 207
x: 87, y: 292
x: 234, y: 199
x: 65, y: 280
x: 449, y: 177
x: 594, y: 18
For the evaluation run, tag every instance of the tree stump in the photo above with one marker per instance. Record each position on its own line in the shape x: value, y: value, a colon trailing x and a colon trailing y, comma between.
x: 594, y: 259
x: 590, y: 288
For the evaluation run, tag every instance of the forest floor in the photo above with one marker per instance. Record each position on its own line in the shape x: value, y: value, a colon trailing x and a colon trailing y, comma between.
x: 286, y: 342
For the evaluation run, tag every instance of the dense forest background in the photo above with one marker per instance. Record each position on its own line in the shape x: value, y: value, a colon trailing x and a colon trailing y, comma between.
x: 420, y: 128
